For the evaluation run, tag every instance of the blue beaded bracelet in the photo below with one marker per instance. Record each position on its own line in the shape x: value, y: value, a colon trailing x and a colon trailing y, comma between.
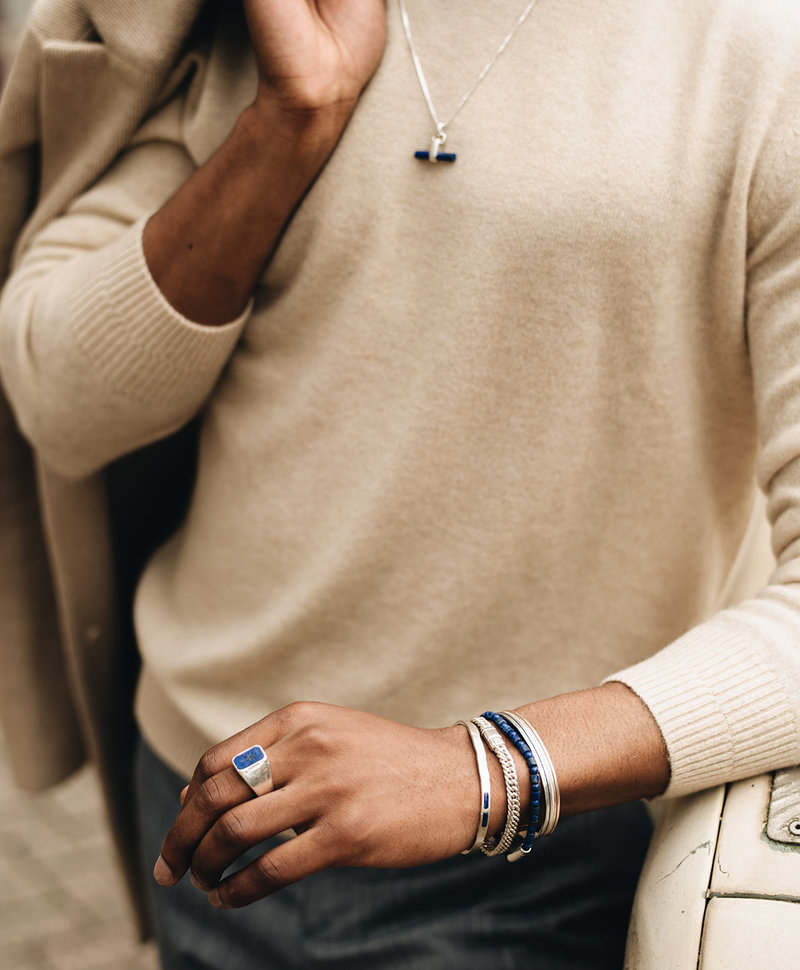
x: 521, y: 745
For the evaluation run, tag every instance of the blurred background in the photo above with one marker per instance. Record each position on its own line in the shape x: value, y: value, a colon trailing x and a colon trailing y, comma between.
x: 62, y: 905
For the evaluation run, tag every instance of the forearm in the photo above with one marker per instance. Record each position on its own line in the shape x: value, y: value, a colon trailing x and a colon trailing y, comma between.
x: 605, y: 745
x: 99, y: 357
x: 209, y: 244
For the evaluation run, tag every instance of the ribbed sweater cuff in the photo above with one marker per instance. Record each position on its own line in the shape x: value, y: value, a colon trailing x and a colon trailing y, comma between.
x: 146, y: 349
x: 719, y: 705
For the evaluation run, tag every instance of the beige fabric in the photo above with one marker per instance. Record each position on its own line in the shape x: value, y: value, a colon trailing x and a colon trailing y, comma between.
x: 496, y: 425
x: 54, y: 702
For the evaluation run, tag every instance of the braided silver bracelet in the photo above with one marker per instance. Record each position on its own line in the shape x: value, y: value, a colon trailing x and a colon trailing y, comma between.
x: 495, y: 743
x: 547, y: 771
x: 486, y: 786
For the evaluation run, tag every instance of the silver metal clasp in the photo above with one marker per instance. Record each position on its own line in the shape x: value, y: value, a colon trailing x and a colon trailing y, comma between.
x: 437, y: 144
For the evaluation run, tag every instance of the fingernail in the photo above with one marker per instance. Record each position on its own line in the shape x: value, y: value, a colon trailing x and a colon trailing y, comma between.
x: 213, y: 898
x: 162, y: 873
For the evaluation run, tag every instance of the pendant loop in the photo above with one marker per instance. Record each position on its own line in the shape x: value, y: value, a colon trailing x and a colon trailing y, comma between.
x: 435, y: 153
x: 436, y: 143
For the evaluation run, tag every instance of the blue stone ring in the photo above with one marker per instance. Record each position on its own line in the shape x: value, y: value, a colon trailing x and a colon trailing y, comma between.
x: 253, y: 766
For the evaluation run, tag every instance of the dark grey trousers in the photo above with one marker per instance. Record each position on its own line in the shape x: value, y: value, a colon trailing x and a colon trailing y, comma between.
x: 566, y: 907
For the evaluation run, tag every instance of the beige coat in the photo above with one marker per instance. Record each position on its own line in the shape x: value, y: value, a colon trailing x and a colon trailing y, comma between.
x: 68, y: 659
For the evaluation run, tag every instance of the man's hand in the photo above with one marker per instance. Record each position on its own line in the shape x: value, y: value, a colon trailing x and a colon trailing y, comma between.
x: 314, y: 56
x: 359, y: 790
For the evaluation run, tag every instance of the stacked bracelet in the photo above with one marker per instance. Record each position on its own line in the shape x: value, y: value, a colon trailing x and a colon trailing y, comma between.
x: 494, y: 742
x: 545, y: 796
x: 486, y: 786
x: 550, y: 790
x: 528, y: 833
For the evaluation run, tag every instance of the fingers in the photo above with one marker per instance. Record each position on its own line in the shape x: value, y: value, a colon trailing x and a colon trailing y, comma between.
x: 200, y: 810
x: 218, y: 758
x: 280, y: 867
x: 238, y: 830
x: 216, y: 788
x: 264, y: 732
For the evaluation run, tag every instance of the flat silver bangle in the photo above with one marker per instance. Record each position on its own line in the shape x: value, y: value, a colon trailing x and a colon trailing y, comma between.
x: 547, y: 772
x: 486, y: 786
x: 495, y: 743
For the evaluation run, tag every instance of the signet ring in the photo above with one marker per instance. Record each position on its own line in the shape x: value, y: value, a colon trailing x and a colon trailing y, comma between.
x: 253, y: 766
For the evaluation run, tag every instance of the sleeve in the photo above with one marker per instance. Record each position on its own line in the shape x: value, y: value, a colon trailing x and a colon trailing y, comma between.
x: 95, y: 361
x: 726, y: 695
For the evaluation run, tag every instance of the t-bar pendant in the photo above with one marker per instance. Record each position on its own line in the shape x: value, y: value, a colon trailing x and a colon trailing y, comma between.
x: 434, y: 154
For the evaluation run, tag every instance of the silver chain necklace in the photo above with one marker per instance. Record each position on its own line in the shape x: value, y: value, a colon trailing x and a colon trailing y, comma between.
x: 435, y: 153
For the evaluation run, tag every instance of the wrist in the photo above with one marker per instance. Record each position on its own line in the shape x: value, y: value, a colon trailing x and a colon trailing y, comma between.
x: 208, y: 245
x: 606, y: 747
x: 310, y: 133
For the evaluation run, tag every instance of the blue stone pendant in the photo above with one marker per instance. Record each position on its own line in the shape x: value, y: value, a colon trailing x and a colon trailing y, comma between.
x: 434, y: 154
x: 439, y: 157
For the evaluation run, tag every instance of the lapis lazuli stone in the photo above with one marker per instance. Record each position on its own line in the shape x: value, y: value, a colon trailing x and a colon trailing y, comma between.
x: 250, y: 757
x: 440, y: 156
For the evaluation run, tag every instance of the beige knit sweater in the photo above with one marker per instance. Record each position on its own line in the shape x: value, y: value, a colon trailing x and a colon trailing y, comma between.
x: 489, y: 430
